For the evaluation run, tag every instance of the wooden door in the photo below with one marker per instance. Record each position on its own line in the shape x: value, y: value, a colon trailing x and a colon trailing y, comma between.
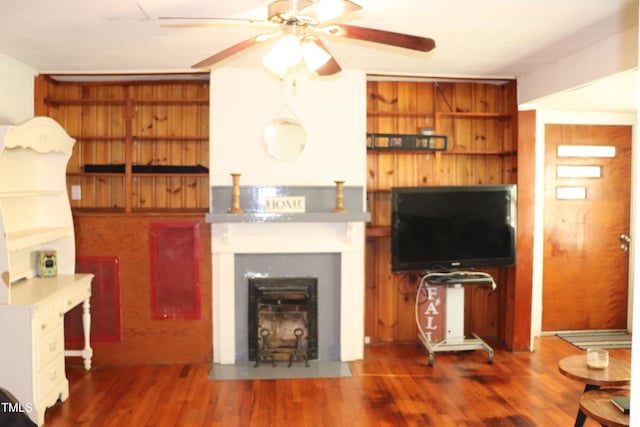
x: 587, y: 198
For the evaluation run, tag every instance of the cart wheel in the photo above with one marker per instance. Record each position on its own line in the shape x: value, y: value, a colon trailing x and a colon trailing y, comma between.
x: 431, y: 359
x: 490, y: 360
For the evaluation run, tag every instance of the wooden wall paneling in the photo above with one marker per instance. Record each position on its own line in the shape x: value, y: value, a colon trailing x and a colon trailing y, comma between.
x: 462, y: 97
x: 405, y: 170
x: 510, y: 169
x: 481, y: 306
x: 475, y: 171
x: 495, y: 167
x: 449, y: 170
x: 517, y: 310
x: 380, y: 208
x: 372, y: 170
x: 386, y: 171
x: 443, y: 97
x: 496, y: 137
x: 483, y: 136
x: 175, y: 191
x: 406, y: 328
x: 445, y: 126
x: 372, y: 124
x: 406, y: 97
x: 40, y: 91
x: 117, y: 194
x: 386, y: 294
x: 478, y: 153
x: 482, y: 98
x: 143, y: 339
x: 437, y: 168
x: 424, y: 169
x: 463, y: 134
x: 461, y: 169
x: 426, y: 104
x: 382, y: 96
x: 142, y: 196
x: 370, y: 301
x: 129, y: 148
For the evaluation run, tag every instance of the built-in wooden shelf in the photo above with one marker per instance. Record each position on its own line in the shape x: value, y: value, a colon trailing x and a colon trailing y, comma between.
x: 378, y: 231
x: 121, y: 101
x: 399, y: 114
x: 473, y: 115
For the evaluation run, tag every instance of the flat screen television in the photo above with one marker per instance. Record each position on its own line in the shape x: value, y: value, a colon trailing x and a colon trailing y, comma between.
x: 453, y: 227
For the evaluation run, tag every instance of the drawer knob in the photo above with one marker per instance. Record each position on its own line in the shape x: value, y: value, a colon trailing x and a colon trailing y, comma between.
x: 53, y: 376
x: 53, y: 346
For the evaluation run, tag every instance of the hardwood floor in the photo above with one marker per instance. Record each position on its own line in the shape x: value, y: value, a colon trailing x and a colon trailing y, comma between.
x: 392, y: 386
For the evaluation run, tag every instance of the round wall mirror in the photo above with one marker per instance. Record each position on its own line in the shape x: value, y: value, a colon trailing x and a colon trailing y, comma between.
x: 285, y: 138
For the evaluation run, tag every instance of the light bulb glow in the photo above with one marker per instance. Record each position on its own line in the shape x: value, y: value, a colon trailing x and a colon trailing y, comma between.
x: 314, y: 56
x: 284, y: 54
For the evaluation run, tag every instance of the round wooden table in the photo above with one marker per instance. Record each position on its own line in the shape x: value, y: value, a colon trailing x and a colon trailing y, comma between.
x: 596, y: 404
x: 617, y: 374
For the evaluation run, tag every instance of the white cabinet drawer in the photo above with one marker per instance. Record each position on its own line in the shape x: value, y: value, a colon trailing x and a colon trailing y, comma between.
x: 73, y: 299
x: 48, y: 319
x: 50, y: 345
x: 50, y: 376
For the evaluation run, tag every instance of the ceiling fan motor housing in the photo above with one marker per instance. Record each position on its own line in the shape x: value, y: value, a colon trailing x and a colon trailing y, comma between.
x: 287, y: 12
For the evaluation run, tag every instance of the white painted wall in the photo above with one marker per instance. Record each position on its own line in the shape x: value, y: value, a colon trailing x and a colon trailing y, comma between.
x: 16, y: 89
x: 333, y: 112
x: 614, y: 55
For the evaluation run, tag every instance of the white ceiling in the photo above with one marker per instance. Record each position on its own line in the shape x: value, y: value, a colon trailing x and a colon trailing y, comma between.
x: 488, y: 39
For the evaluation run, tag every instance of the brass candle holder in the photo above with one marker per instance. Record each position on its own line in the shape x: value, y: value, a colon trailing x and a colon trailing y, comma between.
x: 339, y: 197
x: 235, y: 195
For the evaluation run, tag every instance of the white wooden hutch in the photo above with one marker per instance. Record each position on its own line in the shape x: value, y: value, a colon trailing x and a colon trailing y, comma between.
x: 35, y: 215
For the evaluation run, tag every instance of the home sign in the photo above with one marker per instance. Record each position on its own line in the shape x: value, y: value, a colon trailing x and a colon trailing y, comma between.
x: 285, y: 204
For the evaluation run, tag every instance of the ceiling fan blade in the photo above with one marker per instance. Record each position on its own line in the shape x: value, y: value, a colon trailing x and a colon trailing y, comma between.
x: 184, y: 21
x: 326, y: 10
x: 331, y: 67
x: 224, y: 54
x: 407, y: 41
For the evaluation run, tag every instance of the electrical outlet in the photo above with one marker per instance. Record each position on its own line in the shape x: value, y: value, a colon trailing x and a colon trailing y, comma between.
x: 76, y: 192
x: 367, y: 340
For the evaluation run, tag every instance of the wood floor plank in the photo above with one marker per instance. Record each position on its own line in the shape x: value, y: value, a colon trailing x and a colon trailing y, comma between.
x: 392, y: 386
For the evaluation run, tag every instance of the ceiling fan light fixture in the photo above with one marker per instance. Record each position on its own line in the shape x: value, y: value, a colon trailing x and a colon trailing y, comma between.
x: 282, y: 11
x: 314, y: 56
x: 326, y: 10
x: 286, y: 53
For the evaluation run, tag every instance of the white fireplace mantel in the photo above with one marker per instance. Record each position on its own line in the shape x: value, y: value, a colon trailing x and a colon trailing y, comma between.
x: 316, y: 232
x: 229, y: 240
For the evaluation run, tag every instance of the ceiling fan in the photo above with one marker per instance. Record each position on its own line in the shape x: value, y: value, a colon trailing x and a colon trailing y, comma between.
x: 299, y: 23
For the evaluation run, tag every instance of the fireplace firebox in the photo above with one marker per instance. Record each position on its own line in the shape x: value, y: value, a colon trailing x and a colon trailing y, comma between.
x: 283, y: 319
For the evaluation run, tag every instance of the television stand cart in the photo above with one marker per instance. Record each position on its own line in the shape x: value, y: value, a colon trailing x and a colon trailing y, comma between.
x: 454, y: 339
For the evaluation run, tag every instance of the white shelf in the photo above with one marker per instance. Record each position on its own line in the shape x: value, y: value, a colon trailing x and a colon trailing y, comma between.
x: 33, y: 237
x: 34, y: 205
x: 21, y: 194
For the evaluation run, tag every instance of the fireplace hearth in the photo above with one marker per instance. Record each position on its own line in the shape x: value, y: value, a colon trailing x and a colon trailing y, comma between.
x: 283, y: 319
